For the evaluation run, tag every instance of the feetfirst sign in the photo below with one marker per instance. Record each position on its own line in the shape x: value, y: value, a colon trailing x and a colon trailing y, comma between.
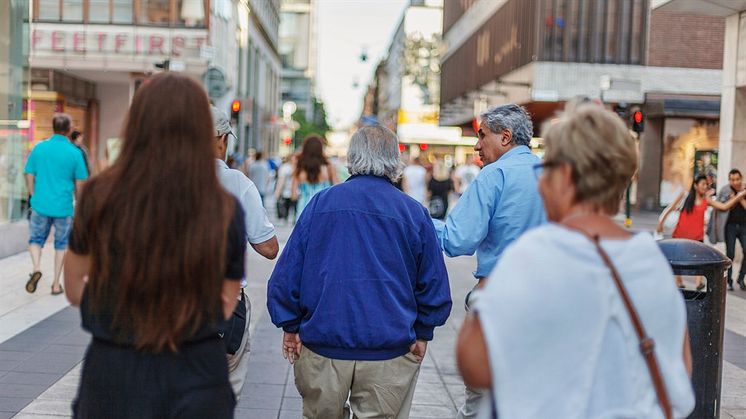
x: 108, y: 40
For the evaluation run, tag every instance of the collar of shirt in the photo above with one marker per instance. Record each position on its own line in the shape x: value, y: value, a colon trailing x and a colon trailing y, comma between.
x: 520, y: 149
x: 383, y: 178
x: 59, y: 137
x: 221, y: 164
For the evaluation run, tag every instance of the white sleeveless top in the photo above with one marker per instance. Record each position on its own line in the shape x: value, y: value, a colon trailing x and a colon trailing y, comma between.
x: 560, y: 342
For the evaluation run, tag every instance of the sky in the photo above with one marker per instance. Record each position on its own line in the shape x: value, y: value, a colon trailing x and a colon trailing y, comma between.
x: 344, y: 28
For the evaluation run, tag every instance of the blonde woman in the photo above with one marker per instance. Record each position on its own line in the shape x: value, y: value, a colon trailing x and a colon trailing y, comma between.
x: 571, y: 350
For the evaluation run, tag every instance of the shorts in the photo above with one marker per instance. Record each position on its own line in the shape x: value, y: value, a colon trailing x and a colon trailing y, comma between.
x: 40, y: 225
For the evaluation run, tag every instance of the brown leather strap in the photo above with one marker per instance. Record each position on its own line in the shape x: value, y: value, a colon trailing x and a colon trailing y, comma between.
x: 646, y: 343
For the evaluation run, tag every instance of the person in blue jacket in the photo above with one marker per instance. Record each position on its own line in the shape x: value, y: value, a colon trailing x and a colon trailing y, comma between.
x: 360, y: 288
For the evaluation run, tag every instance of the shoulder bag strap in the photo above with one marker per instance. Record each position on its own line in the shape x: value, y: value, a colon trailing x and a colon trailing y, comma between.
x: 646, y: 343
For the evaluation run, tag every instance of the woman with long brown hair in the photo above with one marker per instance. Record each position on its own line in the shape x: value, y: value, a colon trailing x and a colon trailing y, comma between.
x: 156, y: 255
x: 313, y: 172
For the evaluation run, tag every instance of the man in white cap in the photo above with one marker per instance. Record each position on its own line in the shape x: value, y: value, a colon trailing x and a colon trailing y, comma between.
x: 260, y: 234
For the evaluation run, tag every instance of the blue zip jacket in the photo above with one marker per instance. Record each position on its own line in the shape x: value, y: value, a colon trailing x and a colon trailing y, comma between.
x: 362, y: 275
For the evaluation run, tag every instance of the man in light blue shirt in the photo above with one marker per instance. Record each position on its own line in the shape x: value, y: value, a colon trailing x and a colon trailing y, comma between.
x: 500, y: 205
x: 54, y: 171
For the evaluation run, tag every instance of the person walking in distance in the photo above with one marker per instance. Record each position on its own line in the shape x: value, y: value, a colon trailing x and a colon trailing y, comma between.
x: 155, y: 264
x: 55, y: 171
x: 260, y: 234
x: 359, y: 289
x: 691, y: 224
x: 76, y: 137
x: 259, y: 173
x: 465, y: 175
x: 284, y: 192
x: 730, y: 226
x: 500, y: 204
x: 414, y: 181
x: 313, y: 172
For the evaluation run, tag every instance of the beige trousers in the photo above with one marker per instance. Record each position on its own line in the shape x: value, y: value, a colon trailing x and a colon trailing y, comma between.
x: 376, y: 389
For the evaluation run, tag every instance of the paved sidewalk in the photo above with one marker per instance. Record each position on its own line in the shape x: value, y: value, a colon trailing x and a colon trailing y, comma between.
x: 43, y: 347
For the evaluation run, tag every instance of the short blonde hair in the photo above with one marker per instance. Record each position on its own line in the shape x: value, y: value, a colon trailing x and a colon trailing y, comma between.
x: 600, y: 149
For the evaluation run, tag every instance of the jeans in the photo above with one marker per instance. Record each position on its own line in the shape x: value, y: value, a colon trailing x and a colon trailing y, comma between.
x: 733, y: 232
x: 40, y: 225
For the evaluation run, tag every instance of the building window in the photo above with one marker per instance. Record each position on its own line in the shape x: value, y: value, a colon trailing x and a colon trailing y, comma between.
x: 190, y: 13
x: 48, y: 10
x: 154, y: 12
x: 122, y: 11
x: 98, y: 11
x: 73, y: 11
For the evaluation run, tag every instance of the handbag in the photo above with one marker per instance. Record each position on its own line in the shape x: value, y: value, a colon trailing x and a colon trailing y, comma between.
x: 646, y: 343
x: 235, y: 327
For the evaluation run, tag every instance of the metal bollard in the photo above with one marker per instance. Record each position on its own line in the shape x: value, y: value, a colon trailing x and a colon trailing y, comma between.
x: 705, y: 317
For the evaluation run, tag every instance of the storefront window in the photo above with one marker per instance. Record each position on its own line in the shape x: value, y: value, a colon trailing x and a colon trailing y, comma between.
x: 689, y: 148
x: 154, y: 12
x: 14, y: 145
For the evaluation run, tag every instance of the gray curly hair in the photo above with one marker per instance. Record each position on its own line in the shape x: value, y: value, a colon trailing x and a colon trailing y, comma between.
x: 374, y: 150
x: 511, y: 117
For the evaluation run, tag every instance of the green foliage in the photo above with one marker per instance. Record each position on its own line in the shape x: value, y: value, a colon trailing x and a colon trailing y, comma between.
x: 317, y: 125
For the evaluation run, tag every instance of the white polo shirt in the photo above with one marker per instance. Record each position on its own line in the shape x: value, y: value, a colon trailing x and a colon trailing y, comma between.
x: 258, y: 227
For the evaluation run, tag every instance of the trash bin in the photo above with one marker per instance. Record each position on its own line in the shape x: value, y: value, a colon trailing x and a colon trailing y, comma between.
x: 705, y: 317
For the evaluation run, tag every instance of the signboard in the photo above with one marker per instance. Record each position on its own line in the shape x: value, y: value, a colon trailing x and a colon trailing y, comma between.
x: 215, y: 83
x: 51, y: 39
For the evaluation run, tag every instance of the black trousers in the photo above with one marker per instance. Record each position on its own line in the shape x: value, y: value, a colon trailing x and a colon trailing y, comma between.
x: 735, y: 232
x: 121, y: 382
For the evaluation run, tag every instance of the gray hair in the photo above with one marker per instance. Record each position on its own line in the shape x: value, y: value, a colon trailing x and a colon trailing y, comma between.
x: 374, y: 150
x: 512, y: 117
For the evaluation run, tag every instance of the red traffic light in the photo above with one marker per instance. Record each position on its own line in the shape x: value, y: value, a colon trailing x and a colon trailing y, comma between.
x: 402, y: 147
x: 637, y: 117
x: 287, y: 140
x: 236, y: 106
x: 423, y: 147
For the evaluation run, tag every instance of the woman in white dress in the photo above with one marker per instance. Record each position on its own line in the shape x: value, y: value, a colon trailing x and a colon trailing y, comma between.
x: 550, y: 334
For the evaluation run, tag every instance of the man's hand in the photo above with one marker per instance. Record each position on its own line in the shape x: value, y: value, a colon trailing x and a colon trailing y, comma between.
x: 418, y: 349
x: 291, y: 346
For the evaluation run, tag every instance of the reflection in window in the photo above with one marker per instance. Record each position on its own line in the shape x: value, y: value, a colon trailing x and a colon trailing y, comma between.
x: 49, y: 9
x: 154, y: 12
x: 122, y: 12
x: 98, y: 11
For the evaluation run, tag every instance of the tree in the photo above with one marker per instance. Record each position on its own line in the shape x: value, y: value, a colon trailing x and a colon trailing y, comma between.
x: 317, y: 125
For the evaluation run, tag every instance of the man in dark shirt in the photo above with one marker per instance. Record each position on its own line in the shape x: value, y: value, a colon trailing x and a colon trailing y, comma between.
x: 735, y: 227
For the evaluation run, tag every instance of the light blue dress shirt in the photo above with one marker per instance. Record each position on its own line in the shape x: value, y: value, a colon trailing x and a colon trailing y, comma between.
x: 501, y: 204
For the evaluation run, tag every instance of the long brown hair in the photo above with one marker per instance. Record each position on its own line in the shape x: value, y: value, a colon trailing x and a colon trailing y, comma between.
x: 311, y: 158
x: 157, y: 219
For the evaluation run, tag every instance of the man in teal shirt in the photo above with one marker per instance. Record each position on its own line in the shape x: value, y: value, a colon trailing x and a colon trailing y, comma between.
x: 55, y: 170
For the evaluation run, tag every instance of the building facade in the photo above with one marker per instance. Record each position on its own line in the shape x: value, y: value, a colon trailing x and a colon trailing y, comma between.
x: 14, y: 18
x: 541, y: 53
x: 298, y: 54
x: 404, y: 94
x: 89, y: 57
x: 732, y: 134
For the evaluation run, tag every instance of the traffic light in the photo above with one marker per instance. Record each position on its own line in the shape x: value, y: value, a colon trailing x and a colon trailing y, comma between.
x: 235, y: 109
x: 638, y: 121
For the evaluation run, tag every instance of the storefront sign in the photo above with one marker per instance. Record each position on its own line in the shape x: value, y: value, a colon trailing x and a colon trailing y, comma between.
x: 81, y: 40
